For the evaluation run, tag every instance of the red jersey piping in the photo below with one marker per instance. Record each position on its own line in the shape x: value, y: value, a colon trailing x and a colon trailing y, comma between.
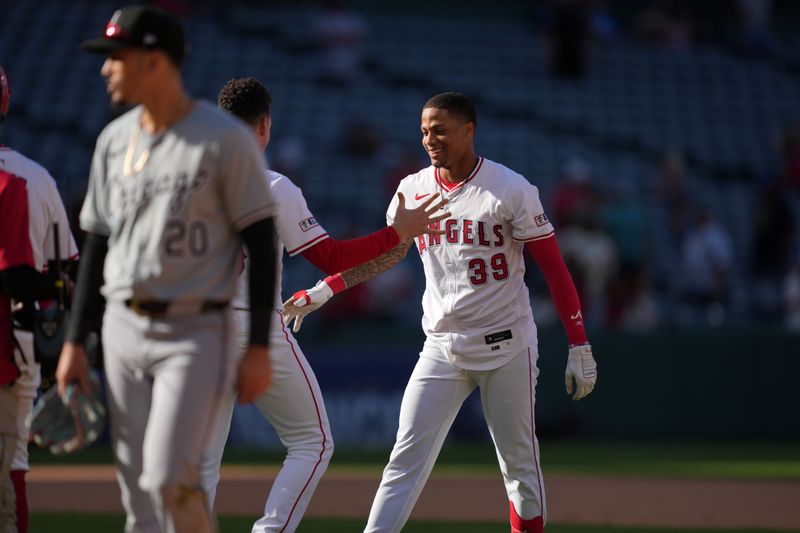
x: 450, y: 187
x: 308, y: 244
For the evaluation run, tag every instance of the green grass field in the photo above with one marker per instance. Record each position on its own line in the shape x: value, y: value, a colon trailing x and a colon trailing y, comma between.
x: 692, y: 459
x: 67, y: 523
x: 685, y: 459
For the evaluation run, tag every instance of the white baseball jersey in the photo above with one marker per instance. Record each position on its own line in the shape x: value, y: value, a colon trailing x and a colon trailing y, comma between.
x: 173, y: 203
x: 297, y: 230
x: 44, y: 207
x: 293, y: 404
x: 476, y: 305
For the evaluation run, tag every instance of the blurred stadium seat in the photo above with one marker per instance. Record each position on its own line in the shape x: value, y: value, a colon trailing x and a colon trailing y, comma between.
x: 724, y: 111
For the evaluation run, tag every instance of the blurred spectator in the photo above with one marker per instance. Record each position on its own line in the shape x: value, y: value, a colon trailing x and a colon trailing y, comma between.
x: 773, y: 235
x: 350, y: 307
x: 288, y: 157
x: 791, y: 158
x: 574, y: 195
x: 362, y: 139
x: 385, y: 291
x: 408, y: 161
x: 626, y: 223
x: 666, y: 23
x: 791, y: 297
x: 753, y: 20
x: 602, y: 23
x: 671, y: 189
x: 592, y: 259
x: 706, y: 261
x: 569, y: 39
x: 631, y: 304
x: 340, y: 33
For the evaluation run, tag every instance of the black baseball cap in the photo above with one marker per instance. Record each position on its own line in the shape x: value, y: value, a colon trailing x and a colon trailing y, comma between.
x: 141, y: 26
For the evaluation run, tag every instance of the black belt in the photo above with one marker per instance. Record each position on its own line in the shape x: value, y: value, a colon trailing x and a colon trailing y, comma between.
x: 155, y: 308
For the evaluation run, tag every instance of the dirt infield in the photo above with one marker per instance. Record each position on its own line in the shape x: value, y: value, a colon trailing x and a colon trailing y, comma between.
x: 571, y: 499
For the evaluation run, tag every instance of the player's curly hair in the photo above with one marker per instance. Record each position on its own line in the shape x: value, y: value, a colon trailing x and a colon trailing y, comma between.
x: 455, y: 103
x: 247, y: 98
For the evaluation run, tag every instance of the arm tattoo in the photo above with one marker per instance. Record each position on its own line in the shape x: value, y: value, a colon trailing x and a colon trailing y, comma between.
x: 380, y: 264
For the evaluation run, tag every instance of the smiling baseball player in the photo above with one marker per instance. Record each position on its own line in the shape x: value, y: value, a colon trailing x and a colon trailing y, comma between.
x: 477, y: 318
x: 293, y: 404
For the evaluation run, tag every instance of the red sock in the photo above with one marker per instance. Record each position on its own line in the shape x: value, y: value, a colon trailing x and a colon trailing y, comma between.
x: 518, y: 525
x: 18, y: 478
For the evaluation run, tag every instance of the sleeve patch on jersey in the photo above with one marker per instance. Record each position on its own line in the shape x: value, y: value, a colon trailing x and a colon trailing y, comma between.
x: 308, y: 223
x: 540, y: 220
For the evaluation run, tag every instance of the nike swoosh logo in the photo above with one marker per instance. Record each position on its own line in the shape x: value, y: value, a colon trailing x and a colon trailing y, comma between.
x: 576, y: 316
x: 419, y: 196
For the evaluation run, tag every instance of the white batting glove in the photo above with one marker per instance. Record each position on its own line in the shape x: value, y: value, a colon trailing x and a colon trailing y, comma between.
x: 304, y: 302
x: 581, y: 374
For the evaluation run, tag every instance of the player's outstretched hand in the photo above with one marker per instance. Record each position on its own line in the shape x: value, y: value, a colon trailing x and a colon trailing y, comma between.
x: 581, y: 374
x: 73, y: 365
x: 254, y: 374
x: 408, y: 223
x: 304, y: 302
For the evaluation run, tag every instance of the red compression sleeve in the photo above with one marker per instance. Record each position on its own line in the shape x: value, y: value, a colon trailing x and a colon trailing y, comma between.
x: 562, y: 289
x: 332, y: 256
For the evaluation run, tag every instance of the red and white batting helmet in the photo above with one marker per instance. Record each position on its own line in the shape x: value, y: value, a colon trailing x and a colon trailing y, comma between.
x: 5, y: 93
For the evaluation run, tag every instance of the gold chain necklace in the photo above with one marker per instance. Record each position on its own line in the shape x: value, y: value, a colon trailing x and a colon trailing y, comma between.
x: 129, y: 168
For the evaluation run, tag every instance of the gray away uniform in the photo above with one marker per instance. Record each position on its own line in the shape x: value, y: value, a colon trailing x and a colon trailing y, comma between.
x: 172, y: 206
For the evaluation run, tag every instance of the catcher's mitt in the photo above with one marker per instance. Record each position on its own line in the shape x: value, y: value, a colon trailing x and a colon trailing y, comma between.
x: 68, y: 424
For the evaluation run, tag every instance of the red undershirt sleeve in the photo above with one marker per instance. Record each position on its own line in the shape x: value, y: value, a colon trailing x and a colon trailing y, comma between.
x: 562, y: 289
x: 332, y: 256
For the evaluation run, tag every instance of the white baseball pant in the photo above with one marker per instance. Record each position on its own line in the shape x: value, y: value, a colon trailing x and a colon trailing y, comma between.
x: 432, y: 399
x: 166, y: 379
x: 25, y: 389
x: 293, y: 405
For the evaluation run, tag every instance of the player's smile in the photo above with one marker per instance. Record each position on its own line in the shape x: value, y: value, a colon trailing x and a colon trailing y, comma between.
x: 435, y: 153
x: 447, y: 139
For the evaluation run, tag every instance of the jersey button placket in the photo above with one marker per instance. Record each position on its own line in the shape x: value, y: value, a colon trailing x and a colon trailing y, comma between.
x: 451, y: 285
x: 449, y: 298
